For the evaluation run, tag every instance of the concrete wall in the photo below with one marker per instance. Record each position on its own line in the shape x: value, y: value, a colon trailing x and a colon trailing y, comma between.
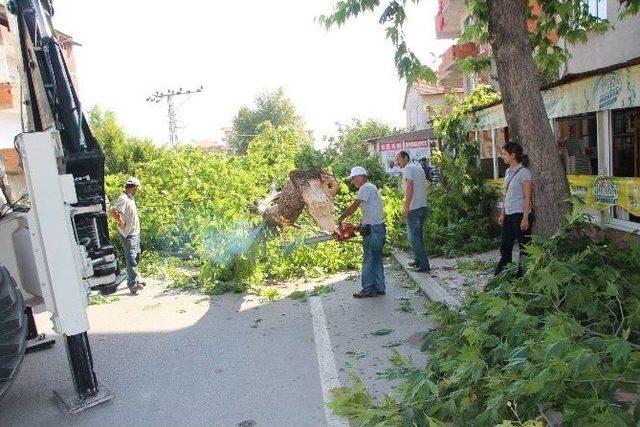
x: 620, y: 44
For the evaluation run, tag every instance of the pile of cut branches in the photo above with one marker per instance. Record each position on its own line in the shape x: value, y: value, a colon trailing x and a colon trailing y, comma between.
x: 565, y: 338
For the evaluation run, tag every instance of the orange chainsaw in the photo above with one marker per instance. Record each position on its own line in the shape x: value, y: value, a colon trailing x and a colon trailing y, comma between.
x: 345, y: 232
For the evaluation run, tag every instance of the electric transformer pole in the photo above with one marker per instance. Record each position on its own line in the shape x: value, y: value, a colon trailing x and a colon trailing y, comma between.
x: 172, y: 116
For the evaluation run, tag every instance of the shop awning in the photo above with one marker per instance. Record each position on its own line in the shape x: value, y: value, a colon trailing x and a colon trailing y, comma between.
x: 615, y: 89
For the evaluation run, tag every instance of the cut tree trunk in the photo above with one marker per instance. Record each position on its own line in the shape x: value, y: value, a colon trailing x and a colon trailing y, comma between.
x: 315, y: 189
x: 524, y: 110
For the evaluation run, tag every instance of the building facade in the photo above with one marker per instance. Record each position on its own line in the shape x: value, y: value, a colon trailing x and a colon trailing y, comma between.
x: 594, y: 111
x: 420, y: 101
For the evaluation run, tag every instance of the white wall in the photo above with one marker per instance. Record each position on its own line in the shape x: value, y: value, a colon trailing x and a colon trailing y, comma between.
x: 10, y: 126
x: 415, y: 111
x: 619, y: 44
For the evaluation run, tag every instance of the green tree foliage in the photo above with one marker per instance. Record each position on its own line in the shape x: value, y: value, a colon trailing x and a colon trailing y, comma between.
x: 123, y: 154
x: 563, y: 337
x: 350, y: 149
x: 200, y: 225
x: 461, y: 207
x: 272, y: 107
x: 568, y: 19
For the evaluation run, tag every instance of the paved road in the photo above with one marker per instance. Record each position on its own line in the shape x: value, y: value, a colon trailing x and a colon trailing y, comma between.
x: 184, y: 359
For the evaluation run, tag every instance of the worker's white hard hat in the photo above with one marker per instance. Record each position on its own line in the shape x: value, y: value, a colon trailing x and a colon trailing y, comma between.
x: 133, y: 181
x: 357, y: 170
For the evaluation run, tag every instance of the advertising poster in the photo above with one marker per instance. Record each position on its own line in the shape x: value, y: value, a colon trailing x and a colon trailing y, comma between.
x: 601, y: 191
x: 416, y: 150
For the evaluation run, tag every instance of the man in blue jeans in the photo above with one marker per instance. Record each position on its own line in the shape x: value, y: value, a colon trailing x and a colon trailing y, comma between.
x: 415, y: 209
x: 373, y: 233
x: 125, y: 212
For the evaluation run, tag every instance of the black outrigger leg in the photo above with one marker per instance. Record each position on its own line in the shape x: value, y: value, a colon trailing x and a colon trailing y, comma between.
x: 85, y: 382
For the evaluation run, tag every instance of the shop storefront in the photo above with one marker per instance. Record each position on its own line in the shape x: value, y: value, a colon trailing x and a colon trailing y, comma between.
x: 596, y: 123
x: 418, y: 144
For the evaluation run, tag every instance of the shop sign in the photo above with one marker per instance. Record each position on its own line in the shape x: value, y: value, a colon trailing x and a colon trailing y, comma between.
x: 605, y: 190
x: 415, y: 149
x: 617, y: 89
x: 416, y: 144
x: 390, y: 146
x: 579, y: 191
x: 608, y: 89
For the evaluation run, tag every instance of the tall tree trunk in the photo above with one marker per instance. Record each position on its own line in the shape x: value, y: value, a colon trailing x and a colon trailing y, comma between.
x: 524, y: 110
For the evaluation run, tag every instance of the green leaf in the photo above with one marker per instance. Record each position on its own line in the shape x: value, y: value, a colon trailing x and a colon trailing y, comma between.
x: 619, y: 349
x: 384, y: 331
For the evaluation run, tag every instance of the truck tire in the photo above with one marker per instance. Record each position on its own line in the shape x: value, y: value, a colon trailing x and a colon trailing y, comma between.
x: 14, y: 329
x: 108, y: 289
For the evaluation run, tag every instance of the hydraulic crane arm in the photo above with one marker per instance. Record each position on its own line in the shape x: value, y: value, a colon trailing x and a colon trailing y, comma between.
x: 64, y: 171
x: 52, y: 104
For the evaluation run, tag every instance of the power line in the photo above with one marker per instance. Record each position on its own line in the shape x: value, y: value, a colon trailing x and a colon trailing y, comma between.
x: 172, y: 116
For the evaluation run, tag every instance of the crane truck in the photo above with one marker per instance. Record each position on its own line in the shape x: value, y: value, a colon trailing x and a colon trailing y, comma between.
x: 54, y: 247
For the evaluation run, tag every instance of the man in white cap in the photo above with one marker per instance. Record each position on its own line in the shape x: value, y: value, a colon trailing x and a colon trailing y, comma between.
x: 125, y: 212
x: 372, y: 230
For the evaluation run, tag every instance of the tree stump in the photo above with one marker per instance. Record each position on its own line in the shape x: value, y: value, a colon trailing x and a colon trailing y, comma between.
x: 316, y: 189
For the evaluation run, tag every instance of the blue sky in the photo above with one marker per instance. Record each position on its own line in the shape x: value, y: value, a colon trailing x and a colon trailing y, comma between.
x: 236, y: 49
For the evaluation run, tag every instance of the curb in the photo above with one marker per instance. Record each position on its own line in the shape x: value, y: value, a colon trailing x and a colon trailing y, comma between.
x: 428, y: 284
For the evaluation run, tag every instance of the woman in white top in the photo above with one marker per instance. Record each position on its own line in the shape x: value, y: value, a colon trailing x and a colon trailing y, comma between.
x: 516, y: 216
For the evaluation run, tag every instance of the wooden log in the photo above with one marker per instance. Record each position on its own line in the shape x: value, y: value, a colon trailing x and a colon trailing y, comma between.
x: 315, y: 189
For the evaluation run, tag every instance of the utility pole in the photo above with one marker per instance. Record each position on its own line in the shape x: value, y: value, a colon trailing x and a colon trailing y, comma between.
x: 172, y: 116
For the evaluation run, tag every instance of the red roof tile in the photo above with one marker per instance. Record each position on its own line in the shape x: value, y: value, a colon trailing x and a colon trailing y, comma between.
x: 11, y: 159
x: 425, y: 88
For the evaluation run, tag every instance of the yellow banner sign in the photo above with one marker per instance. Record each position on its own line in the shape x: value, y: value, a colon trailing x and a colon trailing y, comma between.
x: 601, y: 192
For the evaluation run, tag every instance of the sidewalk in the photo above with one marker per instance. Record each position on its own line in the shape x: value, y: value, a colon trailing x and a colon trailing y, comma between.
x: 451, y: 278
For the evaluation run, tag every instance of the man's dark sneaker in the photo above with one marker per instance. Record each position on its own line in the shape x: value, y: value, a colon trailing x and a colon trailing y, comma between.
x: 413, y: 264
x: 381, y: 293
x: 134, y: 289
x: 142, y: 284
x: 364, y: 294
x: 422, y: 270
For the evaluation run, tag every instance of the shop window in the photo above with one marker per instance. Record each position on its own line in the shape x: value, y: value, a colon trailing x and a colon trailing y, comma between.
x: 626, y: 133
x: 502, y: 136
x: 577, y: 138
x: 486, y: 153
x: 626, y: 161
x: 486, y: 144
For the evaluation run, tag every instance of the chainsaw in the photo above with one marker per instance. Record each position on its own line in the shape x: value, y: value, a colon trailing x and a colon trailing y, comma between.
x: 345, y: 232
